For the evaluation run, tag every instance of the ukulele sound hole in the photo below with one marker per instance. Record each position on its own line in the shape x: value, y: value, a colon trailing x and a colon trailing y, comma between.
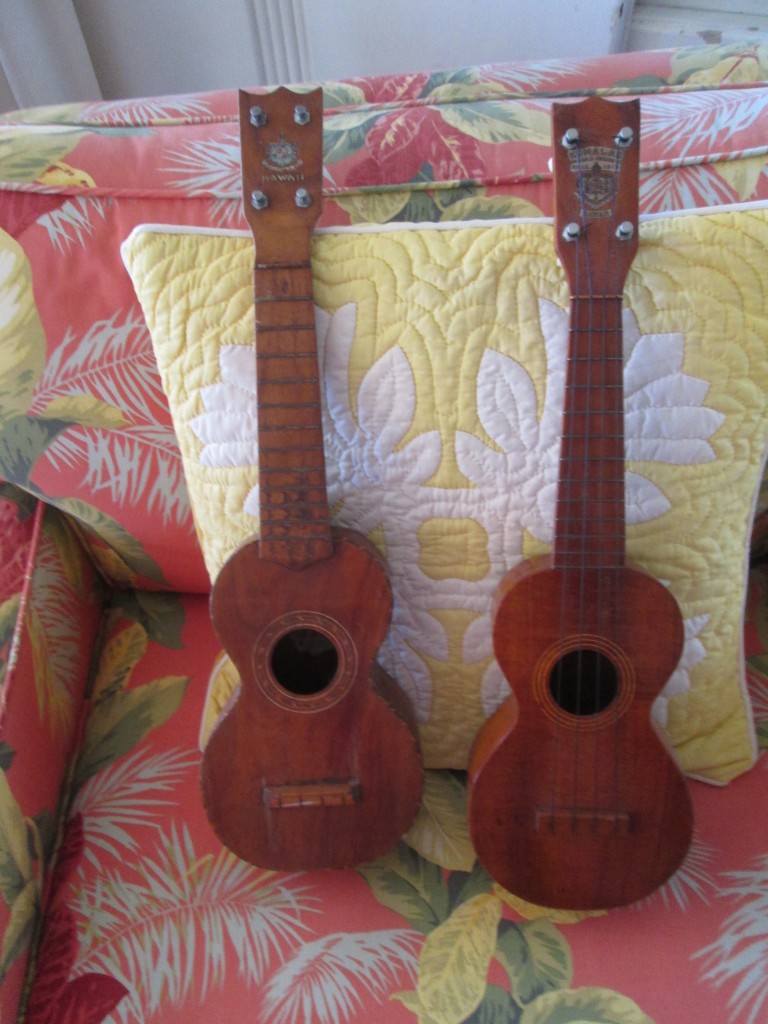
x: 304, y: 661
x: 584, y: 682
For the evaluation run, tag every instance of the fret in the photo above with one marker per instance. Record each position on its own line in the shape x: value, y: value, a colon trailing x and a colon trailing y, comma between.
x: 268, y: 357
x: 291, y: 381
x: 260, y: 299
x: 590, y: 436
x: 283, y: 265
x: 604, y: 535
x: 592, y: 500
x: 589, y: 460
x: 277, y: 511
x: 285, y: 328
x: 281, y: 448
x: 288, y: 405
x: 288, y: 426
x: 264, y: 471
x: 615, y: 515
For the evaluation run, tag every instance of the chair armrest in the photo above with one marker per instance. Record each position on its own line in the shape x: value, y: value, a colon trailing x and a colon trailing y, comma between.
x: 51, y: 601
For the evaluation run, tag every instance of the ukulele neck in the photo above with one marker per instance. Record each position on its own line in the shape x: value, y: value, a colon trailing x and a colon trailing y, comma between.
x: 590, y: 518
x: 596, y: 184
x: 282, y: 160
x: 293, y: 500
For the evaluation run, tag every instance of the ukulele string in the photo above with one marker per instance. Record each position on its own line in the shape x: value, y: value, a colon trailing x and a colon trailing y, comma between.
x: 618, y: 505
x: 606, y: 427
x: 572, y: 496
x: 609, y: 552
x: 606, y: 484
x: 584, y: 387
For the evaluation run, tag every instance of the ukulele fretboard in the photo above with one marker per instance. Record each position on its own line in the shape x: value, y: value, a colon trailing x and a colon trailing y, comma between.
x: 590, y: 517
x: 293, y: 501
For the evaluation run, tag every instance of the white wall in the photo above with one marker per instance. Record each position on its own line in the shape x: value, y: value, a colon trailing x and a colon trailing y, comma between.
x: 60, y: 50
x: 355, y: 37
x: 152, y: 47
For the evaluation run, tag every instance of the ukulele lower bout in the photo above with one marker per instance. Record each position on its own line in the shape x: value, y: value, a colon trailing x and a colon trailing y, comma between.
x: 575, y: 801
x: 315, y: 762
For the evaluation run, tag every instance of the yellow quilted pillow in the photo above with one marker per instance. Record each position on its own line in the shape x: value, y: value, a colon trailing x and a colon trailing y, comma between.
x: 442, y: 358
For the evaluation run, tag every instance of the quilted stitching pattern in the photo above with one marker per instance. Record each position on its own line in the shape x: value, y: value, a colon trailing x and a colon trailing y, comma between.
x: 443, y: 356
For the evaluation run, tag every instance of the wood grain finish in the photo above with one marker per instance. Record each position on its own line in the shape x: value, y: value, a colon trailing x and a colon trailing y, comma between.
x: 315, y: 762
x: 575, y: 800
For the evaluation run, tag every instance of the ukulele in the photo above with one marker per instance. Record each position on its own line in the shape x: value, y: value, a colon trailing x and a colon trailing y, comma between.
x: 315, y: 760
x: 575, y: 801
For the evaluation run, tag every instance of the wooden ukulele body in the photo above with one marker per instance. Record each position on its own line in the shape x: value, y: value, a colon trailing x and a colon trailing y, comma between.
x: 333, y: 773
x: 575, y: 801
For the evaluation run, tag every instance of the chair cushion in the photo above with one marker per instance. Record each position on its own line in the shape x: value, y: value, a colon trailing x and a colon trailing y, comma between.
x: 151, y: 919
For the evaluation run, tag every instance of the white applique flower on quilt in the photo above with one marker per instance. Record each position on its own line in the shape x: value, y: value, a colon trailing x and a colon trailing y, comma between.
x: 515, y: 483
x: 228, y: 426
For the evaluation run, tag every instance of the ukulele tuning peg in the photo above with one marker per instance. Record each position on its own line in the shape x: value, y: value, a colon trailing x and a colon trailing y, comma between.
x: 625, y: 231
x: 257, y: 117
x: 301, y: 114
x: 571, y: 138
x: 625, y: 137
x: 303, y: 198
x: 259, y: 199
x: 571, y: 232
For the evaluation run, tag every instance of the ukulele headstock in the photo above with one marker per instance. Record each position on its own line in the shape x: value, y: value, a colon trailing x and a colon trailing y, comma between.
x: 596, y: 145
x: 281, y: 141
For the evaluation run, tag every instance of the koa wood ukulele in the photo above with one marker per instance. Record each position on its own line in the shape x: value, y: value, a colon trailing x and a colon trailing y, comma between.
x: 315, y: 762
x: 575, y: 800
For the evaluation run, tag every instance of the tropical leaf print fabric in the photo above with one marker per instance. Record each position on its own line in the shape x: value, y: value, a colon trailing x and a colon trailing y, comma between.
x: 151, y: 920
x: 50, y: 621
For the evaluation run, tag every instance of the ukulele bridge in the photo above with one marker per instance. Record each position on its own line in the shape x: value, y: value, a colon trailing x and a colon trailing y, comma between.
x: 582, y: 820
x: 330, y: 793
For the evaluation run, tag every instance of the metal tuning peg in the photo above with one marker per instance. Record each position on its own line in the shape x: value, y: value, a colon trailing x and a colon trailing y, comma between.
x: 571, y: 138
x: 302, y: 198
x: 625, y: 137
x: 625, y: 231
x: 257, y: 116
x: 301, y: 115
x: 259, y: 199
x: 571, y: 232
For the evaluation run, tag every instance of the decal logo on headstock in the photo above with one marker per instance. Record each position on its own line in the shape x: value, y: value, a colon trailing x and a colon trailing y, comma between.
x: 282, y: 155
x: 596, y: 168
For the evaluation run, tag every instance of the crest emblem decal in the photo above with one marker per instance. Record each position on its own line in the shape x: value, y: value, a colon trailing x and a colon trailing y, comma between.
x: 282, y: 155
x: 596, y: 168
